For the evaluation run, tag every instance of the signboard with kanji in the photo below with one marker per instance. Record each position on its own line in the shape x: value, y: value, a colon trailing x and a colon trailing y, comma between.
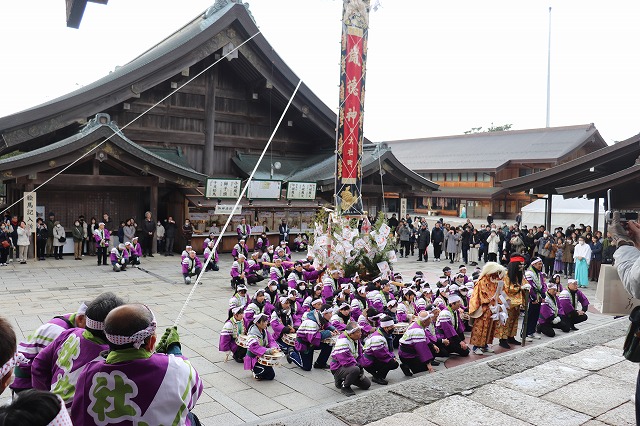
x: 301, y: 191
x: 223, y: 188
x: 29, y: 212
x: 264, y: 189
x: 228, y: 209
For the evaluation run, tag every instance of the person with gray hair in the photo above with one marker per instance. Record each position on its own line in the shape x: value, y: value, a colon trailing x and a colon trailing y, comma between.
x: 346, y: 361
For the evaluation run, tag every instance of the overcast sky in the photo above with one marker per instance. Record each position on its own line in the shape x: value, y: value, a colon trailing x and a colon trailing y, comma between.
x: 434, y: 68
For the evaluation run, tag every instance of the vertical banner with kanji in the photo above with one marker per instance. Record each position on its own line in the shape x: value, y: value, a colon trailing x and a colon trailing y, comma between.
x: 29, y: 213
x: 355, y: 25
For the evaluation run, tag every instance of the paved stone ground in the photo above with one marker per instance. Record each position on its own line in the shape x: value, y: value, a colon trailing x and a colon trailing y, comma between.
x: 35, y: 292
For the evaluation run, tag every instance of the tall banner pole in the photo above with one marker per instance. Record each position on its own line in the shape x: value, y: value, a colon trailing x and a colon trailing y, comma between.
x: 355, y: 26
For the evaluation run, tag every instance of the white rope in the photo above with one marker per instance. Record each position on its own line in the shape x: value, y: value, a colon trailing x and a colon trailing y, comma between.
x: 224, y: 228
x: 119, y: 132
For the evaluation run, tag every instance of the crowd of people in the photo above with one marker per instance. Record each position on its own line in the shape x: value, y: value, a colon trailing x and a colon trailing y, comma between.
x: 575, y: 252
x: 103, y: 361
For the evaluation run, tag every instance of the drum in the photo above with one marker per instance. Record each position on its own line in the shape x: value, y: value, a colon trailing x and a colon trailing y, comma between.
x: 400, y: 328
x: 331, y: 341
x: 242, y: 340
x: 270, y: 360
x: 289, y: 339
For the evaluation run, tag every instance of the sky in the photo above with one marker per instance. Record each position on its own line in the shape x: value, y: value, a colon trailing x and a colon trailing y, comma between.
x: 434, y: 68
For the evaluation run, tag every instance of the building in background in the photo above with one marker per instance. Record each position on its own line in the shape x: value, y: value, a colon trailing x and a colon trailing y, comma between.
x: 470, y: 168
x: 213, y: 127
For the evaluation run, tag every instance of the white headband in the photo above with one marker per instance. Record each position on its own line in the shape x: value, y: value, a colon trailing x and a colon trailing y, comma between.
x: 8, y: 366
x: 82, y: 309
x: 354, y: 329
x: 62, y: 419
x: 137, y: 338
x: 94, y: 325
x: 385, y: 324
x: 329, y: 309
x: 316, y: 301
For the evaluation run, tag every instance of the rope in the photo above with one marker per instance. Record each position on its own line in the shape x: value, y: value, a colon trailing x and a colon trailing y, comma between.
x: 224, y: 228
x: 119, y: 132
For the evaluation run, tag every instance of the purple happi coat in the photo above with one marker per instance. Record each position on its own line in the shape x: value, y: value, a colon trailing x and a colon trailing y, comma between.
x: 259, y: 342
x: 37, y: 341
x: 133, y: 386
x: 57, y: 367
x: 376, y: 348
x: 346, y: 352
x: 414, y: 343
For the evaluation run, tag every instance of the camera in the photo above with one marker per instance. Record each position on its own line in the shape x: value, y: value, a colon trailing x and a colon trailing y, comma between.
x: 625, y: 215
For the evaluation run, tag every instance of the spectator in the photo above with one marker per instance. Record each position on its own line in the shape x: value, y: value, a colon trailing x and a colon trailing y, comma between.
x: 85, y: 235
x: 51, y: 222
x: 627, y: 261
x: 424, y: 236
x: 5, y: 244
x: 42, y: 233
x: 393, y: 222
x: 437, y: 239
x: 93, y: 225
x: 13, y: 231
x: 59, y: 238
x: 404, y: 235
x: 187, y: 231
x: 170, y: 235
x: 148, y: 230
x: 120, y: 234
x: 129, y: 231
x: 284, y: 230
x: 596, y: 258
x: 110, y: 226
x: 160, y: 237
x: 78, y: 236
x: 23, y: 242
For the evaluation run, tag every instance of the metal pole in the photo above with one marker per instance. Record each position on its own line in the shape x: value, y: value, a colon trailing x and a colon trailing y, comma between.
x: 549, y: 73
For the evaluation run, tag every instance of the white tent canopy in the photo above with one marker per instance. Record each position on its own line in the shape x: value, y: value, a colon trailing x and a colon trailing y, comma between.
x: 563, y: 212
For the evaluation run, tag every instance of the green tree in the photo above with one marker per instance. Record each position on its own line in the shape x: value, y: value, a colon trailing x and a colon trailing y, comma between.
x: 491, y: 128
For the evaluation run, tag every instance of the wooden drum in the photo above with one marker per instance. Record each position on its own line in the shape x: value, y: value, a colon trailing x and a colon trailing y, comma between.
x: 331, y: 341
x: 400, y: 328
x: 242, y: 340
x: 289, y: 339
x: 270, y: 360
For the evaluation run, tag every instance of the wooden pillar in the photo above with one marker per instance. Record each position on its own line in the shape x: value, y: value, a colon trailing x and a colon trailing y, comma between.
x: 153, y: 208
x: 209, y: 121
x: 596, y: 214
x: 547, y: 220
x: 606, y: 223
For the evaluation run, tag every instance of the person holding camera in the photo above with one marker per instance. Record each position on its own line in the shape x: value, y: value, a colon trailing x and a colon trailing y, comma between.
x: 627, y: 262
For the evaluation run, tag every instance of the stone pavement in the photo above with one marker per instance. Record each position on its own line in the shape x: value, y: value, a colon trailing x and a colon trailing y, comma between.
x: 35, y: 292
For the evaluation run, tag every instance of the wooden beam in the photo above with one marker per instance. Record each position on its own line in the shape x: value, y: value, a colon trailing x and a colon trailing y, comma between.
x: 90, y: 180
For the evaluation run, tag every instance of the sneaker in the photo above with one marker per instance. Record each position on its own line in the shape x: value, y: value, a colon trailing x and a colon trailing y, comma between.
x: 406, y: 370
x: 322, y: 367
x: 379, y: 380
x: 574, y: 328
x: 478, y: 351
x: 529, y: 338
x: 489, y: 350
x: 347, y: 391
x: 504, y: 344
x: 513, y: 341
x: 537, y: 336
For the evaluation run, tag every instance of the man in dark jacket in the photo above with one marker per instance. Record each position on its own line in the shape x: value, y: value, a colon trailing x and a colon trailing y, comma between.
x: 424, y: 236
x: 437, y: 238
x: 169, y: 235
x: 148, y: 230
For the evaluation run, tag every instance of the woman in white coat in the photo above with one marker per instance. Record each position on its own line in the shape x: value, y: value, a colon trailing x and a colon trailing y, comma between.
x: 58, y: 234
x: 23, y: 242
